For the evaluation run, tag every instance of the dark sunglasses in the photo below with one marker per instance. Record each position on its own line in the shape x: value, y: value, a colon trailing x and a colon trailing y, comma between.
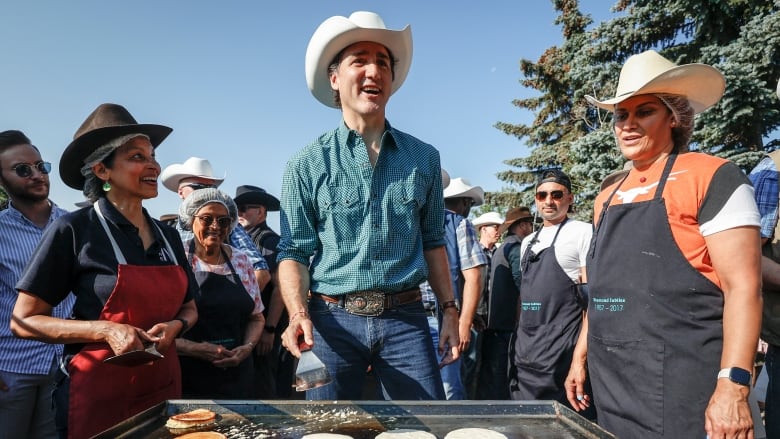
x: 223, y: 222
x: 25, y: 170
x: 246, y: 207
x: 542, y: 195
x: 199, y: 186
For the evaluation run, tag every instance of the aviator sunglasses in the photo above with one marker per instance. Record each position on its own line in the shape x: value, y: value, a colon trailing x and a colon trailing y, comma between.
x: 223, y: 222
x: 542, y: 195
x: 199, y: 186
x: 25, y: 170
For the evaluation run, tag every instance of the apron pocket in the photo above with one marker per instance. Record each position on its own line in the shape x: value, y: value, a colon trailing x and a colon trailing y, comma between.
x: 538, y: 347
x: 627, y: 379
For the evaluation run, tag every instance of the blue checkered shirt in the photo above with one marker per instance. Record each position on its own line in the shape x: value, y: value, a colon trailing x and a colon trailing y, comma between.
x: 365, y: 227
x: 470, y: 255
x: 19, y: 239
x: 764, y: 179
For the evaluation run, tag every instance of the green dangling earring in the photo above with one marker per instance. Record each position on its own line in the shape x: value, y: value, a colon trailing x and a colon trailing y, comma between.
x: 106, y: 186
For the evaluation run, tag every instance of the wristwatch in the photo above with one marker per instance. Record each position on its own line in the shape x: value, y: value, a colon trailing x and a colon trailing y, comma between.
x: 737, y: 375
x: 270, y: 329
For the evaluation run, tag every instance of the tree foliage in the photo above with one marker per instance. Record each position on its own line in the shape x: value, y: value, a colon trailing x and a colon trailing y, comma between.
x: 739, y: 37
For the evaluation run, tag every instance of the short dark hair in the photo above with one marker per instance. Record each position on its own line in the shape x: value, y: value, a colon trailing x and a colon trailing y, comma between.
x: 12, y: 138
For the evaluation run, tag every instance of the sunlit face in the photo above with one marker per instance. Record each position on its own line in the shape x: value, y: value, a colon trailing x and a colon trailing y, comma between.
x: 212, y: 235
x: 33, y: 188
x: 551, y: 208
x: 643, y: 128
x: 250, y: 215
x: 488, y: 234
x: 133, y: 173
x: 363, y: 78
x: 191, y: 184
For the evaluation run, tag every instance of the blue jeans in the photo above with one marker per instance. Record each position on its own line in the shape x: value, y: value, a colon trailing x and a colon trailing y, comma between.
x: 450, y: 374
x: 772, y: 407
x: 396, y: 344
x: 493, y: 375
x: 26, y: 409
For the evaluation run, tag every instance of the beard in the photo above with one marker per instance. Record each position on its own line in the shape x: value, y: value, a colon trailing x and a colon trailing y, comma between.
x: 23, y: 194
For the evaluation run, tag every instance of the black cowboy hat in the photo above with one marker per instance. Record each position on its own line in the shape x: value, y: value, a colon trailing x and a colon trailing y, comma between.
x: 248, y: 194
x: 107, y: 122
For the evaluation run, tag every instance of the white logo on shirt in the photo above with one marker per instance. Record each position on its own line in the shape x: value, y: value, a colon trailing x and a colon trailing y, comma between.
x: 629, y: 195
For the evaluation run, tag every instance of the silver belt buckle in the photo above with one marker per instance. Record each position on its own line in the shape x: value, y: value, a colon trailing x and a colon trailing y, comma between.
x: 365, y: 303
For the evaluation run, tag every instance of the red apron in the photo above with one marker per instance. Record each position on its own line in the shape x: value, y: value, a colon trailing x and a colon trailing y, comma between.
x: 101, y: 395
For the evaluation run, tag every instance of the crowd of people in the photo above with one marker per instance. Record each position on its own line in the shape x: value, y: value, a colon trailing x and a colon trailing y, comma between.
x: 645, y: 321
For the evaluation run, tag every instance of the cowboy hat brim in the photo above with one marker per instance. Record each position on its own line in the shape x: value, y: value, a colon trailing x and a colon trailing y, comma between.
x: 701, y: 84
x: 337, y: 33
x: 72, y: 159
x: 270, y: 202
x: 507, y: 224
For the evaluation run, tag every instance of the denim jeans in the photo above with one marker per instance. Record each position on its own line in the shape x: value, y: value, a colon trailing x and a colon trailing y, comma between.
x: 493, y: 375
x: 772, y: 407
x: 450, y: 374
x: 396, y: 344
x: 26, y: 409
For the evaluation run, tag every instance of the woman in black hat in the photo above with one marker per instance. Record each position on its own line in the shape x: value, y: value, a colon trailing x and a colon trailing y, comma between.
x: 134, y: 289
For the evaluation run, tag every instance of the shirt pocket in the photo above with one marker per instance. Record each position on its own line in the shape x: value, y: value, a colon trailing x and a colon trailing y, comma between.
x: 341, y: 213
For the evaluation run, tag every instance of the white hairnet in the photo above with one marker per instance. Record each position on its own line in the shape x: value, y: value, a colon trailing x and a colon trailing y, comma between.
x: 201, y: 197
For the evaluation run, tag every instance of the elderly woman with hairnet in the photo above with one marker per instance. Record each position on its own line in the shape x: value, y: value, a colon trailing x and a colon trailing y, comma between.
x: 216, y: 354
x: 127, y: 270
x: 674, y: 269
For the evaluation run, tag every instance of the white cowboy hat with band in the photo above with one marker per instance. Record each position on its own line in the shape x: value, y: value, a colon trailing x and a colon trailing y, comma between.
x: 461, y: 188
x: 337, y: 33
x: 192, y: 167
x: 487, y: 219
x: 651, y: 73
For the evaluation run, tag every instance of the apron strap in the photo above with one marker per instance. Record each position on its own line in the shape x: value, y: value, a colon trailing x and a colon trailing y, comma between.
x: 120, y: 257
x: 221, y: 249
x: 535, y: 239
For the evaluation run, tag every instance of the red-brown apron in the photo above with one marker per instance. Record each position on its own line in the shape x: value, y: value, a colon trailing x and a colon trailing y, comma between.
x: 101, y: 395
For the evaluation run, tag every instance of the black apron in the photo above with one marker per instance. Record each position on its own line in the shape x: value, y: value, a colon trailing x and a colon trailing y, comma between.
x: 224, y: 307
x: 547, y: 330
x: 655, y: 324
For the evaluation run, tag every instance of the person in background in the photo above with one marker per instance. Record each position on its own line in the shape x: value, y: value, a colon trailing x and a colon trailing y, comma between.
x: 274, y: 366
x: 216, y: 354
x: 196, y: 173
x: 500, y: 304
x: 764, y: 178
x: 551, y: 302
x: 117, y: 261
x: 674, y: 269
x: 361, y: 221
x: 26, y: 366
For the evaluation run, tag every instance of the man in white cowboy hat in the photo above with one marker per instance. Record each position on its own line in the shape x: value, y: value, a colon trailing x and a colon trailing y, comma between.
x: 551, y: 309
x: 765, y: 181
x: 26, y: 366
x: 466, y: 265
x: 196, y: 173
x: 365, y: 201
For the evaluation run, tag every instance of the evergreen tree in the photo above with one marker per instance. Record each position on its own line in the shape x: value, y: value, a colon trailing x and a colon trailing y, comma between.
x: 741, y: 38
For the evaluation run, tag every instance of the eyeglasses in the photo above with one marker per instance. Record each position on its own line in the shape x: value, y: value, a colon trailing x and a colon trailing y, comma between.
x: 199, y: 186
x: 25, y: 170
x: 223, y: 222
x: 542, y: 195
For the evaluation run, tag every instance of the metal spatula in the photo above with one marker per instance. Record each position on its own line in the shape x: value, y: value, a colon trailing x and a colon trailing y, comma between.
x: 311, y: 372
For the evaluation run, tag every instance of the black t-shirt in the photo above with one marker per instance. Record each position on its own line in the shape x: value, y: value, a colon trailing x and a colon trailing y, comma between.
x: 76, y: 255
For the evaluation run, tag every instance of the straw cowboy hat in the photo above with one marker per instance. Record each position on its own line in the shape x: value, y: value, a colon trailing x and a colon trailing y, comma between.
x: 461, y: 188
x: 106, y: 123
x: 650, y: 73
x: 487, y: 219
x: 248, y: 194
x: 336, y: 33
x: 514, y: 215
x: 192, y: 167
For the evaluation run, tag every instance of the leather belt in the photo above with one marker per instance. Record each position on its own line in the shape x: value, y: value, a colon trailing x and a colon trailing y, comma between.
x: 371, y: 303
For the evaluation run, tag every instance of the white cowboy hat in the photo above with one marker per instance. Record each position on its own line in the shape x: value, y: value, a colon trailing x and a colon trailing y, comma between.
x: 461, y: 188
x: 650, y: 73
x: 336, y: 33
x: 487, y: 219
x: 192, y: 167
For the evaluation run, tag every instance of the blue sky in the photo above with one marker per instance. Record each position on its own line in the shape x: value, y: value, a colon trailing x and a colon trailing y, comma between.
x: 228, y: 77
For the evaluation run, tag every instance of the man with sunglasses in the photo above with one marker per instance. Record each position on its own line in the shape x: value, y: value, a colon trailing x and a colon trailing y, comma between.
x: 551, y: 304
x: 26, y: 366
x: 196, y: 173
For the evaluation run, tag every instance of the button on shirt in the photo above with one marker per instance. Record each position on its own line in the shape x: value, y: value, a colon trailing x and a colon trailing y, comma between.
x: 366, y: 227
x: 17, y: 242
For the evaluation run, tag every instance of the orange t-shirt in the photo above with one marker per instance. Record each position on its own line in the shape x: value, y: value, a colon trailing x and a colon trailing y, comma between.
x: 697, y: 190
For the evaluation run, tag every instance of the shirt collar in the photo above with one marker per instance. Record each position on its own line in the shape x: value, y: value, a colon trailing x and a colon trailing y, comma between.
x: 347, y: 135
x: 19, y: 216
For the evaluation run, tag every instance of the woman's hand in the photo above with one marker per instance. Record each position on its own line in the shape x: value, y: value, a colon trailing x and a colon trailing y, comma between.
x: 124, y: 338
x: 265, y: 344
x: 234, y: 357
